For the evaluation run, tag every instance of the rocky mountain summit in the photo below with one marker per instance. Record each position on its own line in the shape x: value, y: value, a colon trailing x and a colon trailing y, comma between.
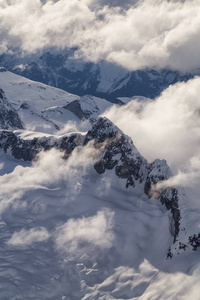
x: 46, y: 109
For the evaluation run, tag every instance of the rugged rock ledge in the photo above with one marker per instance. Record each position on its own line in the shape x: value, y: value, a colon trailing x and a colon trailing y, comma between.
x: 28, y: 149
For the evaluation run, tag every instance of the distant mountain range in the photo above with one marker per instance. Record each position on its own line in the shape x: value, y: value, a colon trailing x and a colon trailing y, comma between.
x: 103, y: 79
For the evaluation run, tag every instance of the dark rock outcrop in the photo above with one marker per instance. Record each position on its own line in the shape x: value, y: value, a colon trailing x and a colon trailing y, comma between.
x: 2, y: 69
x: 9, y: 118
x: 169, y: 197
x: 194, y: 241
x: 116, y: 152
x: 24, y: 105
x: 75, y: 107
x: 158, y: 172
x: 28, y: 149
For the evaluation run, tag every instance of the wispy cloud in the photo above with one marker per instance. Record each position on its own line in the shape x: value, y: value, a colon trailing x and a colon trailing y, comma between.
x: 167, y: 128
x: 49, y: 172
x: 25, y: 238
x: 138, y: 34
x: 86, y: 236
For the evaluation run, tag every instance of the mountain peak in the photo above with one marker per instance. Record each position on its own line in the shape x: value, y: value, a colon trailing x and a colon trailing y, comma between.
x: 102, y: 130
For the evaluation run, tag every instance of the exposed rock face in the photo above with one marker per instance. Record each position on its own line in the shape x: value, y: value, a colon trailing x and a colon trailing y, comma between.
x: 2, y: 69
x: 117, y: 151
x: 169, y: 197
x: 88, y: 107
x: 9, y: 118
x: 158, y: 172
x: 103, y: 130
x: 194, y: 241
x: 24, y: 105
x: 75, y: 107
x: 28, y: 149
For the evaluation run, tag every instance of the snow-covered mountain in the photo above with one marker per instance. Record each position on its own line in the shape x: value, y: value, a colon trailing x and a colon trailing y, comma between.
x: 47, y: 109
x: 83, y: 215
x: 103, y: 79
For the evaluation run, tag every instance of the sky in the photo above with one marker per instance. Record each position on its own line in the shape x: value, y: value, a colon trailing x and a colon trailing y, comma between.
x: 134, y: 34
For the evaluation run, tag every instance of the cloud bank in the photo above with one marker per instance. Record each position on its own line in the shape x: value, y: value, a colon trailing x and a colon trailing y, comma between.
x: 167, y: 128
x: 135, y: 34
x: 51, y: 172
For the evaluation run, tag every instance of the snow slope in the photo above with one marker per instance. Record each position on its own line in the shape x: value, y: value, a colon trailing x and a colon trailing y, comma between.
x: 45, y: 109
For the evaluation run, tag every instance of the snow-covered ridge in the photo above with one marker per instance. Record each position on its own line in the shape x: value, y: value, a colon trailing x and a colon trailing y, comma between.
x: 113, y: 150
x: 47, y: 109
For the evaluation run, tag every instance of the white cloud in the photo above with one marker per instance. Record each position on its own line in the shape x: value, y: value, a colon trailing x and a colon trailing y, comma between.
x: 86, y: 235
x: 72, y: 126
x: 154, y: 33
x: 49, y: 172
x: 25, y: 237
x: 167, y: 128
